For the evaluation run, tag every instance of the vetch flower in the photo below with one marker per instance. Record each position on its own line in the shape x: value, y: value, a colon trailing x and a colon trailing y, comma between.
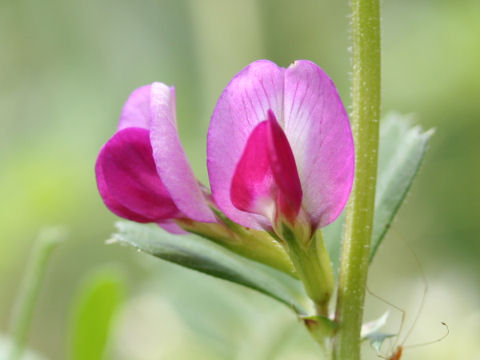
x: 280, y: 149
x: 142, y: 172
x: 280, y: 158
x: 143, y: 175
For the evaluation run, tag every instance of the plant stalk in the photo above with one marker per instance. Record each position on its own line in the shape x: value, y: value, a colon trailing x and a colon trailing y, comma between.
x: 365, y: 116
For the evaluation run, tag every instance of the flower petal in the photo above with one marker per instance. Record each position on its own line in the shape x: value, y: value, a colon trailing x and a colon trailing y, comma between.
x: 113, y: 205
x: 318, y: 130
x: 253, y: 185
x: 170, y: 158
x: 243, y: 104
x: 136, y: 111
x: 265, y: 181
x: 171, y: 227
x: 128, y: 180
x: 284, y: 170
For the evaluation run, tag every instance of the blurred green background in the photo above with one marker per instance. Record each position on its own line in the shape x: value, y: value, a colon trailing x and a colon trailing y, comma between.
x: 68, y: 66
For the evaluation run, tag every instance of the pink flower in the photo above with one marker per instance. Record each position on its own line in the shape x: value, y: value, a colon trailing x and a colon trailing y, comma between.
x: 280, y: 151
x: 280, y: 147
x: 142, y: 172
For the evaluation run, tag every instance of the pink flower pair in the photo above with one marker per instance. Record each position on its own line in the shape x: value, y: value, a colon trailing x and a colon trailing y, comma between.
x: 279, y: 149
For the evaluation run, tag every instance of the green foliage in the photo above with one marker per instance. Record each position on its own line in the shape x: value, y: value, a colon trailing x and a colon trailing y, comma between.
x: 93, y: 312
x: 47, y: 241
x: 402, y: 148
x: 202, y: 255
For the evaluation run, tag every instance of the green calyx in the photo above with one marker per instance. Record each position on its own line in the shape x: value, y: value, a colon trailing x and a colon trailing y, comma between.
x: 312, y: 264
x: 252, y: 244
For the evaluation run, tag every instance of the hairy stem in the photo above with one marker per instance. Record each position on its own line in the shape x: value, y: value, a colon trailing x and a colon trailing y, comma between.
x: 359, y: 223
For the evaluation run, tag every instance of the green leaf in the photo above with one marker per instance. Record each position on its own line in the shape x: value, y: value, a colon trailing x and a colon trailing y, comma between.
x: 47, y: 241
x: 207, y: 257
x: 402, y: 148
x: 94, y: 309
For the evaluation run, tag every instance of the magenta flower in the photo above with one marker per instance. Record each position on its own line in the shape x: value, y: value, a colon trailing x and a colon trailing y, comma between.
x: 280, y: 147
x: 142, y: 172
x: 280, y: 158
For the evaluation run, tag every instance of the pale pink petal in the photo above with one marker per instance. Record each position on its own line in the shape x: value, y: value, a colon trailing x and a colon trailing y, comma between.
x: 128, y: 180
x: 318, y: 130
x: 170, y: 158
x: 136, y: 111
x: 171, y: 227
x: 243, y: 104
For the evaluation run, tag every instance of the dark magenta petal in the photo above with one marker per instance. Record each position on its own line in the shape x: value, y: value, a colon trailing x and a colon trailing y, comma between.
x: 265, y: 180
x: 128, y: 181
x: 113, y: 205
x: 253, y: 183
x: 284, y: 169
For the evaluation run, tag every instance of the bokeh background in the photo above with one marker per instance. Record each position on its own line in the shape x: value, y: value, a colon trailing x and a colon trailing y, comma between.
x: 66, y: 68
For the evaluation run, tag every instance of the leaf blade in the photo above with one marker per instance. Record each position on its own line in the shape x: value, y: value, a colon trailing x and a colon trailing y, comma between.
x: 47, y: 241
x: 93, y: 312
x: 404, y: 145
x: 204, y: 256
x: 401, y: 151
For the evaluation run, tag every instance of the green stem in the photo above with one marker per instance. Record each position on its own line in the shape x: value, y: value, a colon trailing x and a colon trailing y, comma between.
x: 359, y: 222
x: 30, y: 287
